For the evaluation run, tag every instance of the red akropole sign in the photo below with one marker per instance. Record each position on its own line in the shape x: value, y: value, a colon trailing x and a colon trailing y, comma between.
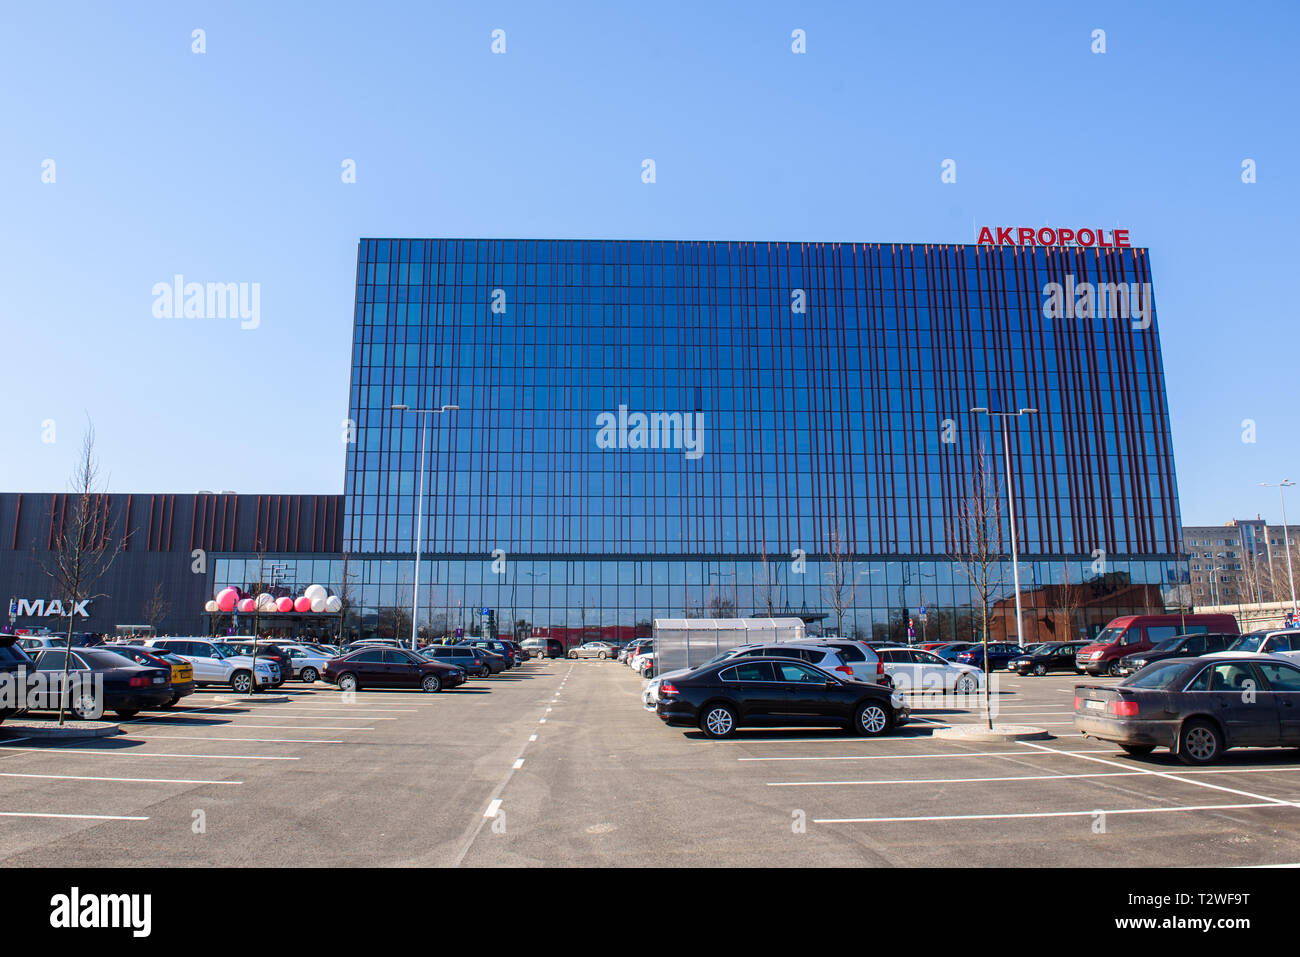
x: 1047, y: 236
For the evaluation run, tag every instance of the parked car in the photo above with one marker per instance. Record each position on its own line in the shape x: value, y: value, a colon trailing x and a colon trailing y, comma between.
x: 1130, y: 634
x: 813, y: 651
x: 630, y: 651
x: 391, y: 668
x: 1196, y: 707
x: 999, y: 653
x: 472, y: 660
x: 1051, y: 656
x: 304, y: 662
x: 216, y: 662
x: 497, y: 647
x: 14, y: 661
x: 861, y: 659
x: 534, y: 646
x: 1180, y: 646
x: 128, y: 688
x: 950, y: 651
x: 593, y: 649
x: 749, y: 692
x: 554, y: 648
x: 1270, y: 642
x: 271, y: 651
x: 181, y: 671
x: 911, y: 669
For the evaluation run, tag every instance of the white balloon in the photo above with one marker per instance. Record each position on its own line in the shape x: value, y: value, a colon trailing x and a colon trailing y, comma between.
x: 265, y: 599
x: 315, y: 591
x: 211, y: 607
x: 333, y: 604
x: 318, y: 605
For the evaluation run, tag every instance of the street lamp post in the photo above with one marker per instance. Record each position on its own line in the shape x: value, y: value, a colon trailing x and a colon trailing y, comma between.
x: 419, y: 509
x: 1011, y: 506
x: 1286, y: 537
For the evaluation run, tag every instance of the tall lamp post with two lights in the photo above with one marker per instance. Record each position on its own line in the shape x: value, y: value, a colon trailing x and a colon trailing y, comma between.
x: 419, y: 508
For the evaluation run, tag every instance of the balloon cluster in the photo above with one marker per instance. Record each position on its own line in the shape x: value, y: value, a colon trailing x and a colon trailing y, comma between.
x: 314, y: 599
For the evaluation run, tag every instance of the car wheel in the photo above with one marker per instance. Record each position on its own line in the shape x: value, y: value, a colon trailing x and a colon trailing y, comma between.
x: 241, y: 682
x: 85, y: 708
x: 430, y: 683
x: 126, y: 714
x: 719, y: 721
x: 967, y: 684
x: 602, y: 656
x: 1113, y: 670
x: 1138, y: 750
x: 573, y: 656
x: 310, y: 675
x: 348, y: 682
x: 172, y: 702
x: 1040, y: 669
x: 871, y: 719
x: 1199, y: 743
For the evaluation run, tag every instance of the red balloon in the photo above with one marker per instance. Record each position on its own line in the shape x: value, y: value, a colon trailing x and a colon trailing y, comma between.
x: 302, y: 604
x: 284, y: 604
x: 226, y: 599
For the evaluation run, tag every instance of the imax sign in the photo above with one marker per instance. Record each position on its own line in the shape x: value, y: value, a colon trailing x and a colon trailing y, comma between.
x: 39, y: 608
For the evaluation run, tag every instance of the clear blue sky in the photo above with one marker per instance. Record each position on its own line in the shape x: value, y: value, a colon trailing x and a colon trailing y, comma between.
x: 226, y: 166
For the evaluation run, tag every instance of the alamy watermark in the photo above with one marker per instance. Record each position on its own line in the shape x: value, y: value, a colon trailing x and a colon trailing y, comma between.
x: 653, y: 430
x: 1103, y: 300
x: 179, y: 299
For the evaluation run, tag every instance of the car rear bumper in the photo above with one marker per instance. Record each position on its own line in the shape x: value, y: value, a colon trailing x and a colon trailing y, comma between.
x: 1128, y: 730
x: 182, y: 688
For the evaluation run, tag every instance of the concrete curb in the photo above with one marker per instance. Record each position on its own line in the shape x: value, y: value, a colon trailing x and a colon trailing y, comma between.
x: 252, y: 698
x: 71, y: 731
x: 1003, y: 733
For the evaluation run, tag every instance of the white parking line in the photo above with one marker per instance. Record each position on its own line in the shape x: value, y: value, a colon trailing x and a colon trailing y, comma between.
x: 74, y: 817
x: 196, y: 737
x: 89, y: 777
x: 127, y: 753
x: 519, y: 763
x: 1017, y: 777
x: 493, y: 808
x: 910, y: 757
x: 285, y: 727
x: 1030, y: 814
x: 1163, y: 774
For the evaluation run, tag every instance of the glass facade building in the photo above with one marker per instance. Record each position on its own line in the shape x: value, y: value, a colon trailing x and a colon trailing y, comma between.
x: 664, y: 429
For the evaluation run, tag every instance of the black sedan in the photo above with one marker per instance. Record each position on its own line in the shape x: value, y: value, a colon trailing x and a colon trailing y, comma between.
x: 1180, y: 646
x: 1055, y: 656
x: 97, y: 681
x: 1196, y: 707
x: 391, y: 668
x: 769, y: 691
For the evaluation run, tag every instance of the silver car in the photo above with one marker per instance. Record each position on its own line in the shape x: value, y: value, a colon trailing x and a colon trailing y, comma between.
x: 593, y: 649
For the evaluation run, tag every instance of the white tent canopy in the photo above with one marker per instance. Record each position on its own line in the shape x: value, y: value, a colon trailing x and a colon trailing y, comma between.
x: 690, y: 642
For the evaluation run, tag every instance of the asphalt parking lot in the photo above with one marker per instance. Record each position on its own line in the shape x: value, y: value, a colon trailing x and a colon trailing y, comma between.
x: 558, y: 764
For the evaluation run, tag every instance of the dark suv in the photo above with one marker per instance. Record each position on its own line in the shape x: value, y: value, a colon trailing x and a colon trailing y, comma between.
x: 470, y: 658
x: 12, y: 658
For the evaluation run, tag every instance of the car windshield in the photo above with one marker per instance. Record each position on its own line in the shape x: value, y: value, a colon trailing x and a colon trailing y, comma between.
x: 227, y: 649
x: 1249, y: 642
x: 1158, y: 677
x: 1169, y: 644
x: 1037, y: 649
x: 1108, y: 635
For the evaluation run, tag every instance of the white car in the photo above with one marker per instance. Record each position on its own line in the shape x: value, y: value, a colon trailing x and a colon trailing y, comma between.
x: 911, y: 669
x: 643, y: 662
x: 216, y: 663
x: 308, y: 664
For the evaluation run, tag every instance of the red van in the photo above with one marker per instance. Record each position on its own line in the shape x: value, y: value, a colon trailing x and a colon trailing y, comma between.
x: 1130, y: 634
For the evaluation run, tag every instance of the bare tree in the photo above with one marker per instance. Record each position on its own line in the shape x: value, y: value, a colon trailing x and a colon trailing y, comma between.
x: 975, y: 542
x: 767, y: 589
x: 84, y: 547
x: 1069, y: 599
x: 156, y: 608
x: 839, y: 580
x: 345, y: 594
